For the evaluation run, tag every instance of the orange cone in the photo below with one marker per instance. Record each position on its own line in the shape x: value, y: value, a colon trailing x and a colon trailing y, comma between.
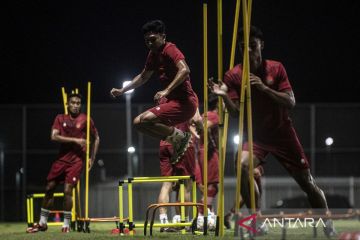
x: 57, y: 217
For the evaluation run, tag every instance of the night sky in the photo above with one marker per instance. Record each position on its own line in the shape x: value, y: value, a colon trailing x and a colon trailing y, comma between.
x: 49, y: 44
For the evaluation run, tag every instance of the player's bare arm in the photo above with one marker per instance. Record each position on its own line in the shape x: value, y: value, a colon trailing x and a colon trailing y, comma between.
x: 286, y: 99
x: 94, y: 150
x: 137, y: 81
x: 182, y: 73
x: 56, y: 137
x: 220, y: 89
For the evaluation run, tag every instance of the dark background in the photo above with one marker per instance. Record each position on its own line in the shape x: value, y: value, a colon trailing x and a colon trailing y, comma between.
x: 49, y: 44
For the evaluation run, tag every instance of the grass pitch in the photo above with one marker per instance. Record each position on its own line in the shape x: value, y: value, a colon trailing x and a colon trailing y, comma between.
x: 16, y: 231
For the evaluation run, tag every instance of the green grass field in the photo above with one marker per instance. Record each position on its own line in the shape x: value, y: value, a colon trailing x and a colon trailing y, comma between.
x: 16, y: 231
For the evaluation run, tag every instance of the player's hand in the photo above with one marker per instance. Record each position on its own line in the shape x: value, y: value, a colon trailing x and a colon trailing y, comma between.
x: 217, y: 88
x: 161, y: 94
x: 91, y: 163
x: 194, y: 132
x: 80, y: 141
x: 256, y: 82
x: 201, y: 187
x: 257, y: 173
x: 115, y: 92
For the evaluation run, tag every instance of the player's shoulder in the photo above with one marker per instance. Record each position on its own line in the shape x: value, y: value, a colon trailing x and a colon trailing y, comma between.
x: 170, y: 47
x: 60, y: 116
x: 273, y: 63
x: 234, y: 71
x: 82, y: 116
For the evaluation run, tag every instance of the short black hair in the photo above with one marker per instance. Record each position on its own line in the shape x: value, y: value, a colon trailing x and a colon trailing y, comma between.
x: 154, y: 26
x: 74, y: 95
x: 254, y: 32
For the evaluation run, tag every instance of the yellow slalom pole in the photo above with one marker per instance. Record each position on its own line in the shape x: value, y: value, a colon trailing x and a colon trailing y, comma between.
x: 121, y: 206
x: 28, y: 214
x: 220, y: 207
x: 205, y: 170
x: 32, y: 210
x: 64, y: 96
x: 73, y: 209
x: 87, y: 151
x: 231, y: 65
x: 241, y: 126
x: 76, y: 90
x: 249, y: 110
x: 130, y: 204
x: 182, y: 200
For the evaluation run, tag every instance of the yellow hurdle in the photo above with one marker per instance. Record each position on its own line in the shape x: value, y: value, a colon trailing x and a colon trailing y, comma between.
x: 30, y: 208
x: 131, y: 181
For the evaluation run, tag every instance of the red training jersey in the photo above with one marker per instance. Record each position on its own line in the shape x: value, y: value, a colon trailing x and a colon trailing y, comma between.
x: 268, y: 116
x: 76, y: 128
x: 164, y: 64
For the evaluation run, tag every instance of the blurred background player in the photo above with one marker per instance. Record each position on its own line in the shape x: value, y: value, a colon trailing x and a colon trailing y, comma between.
x: 213, y: 160
x: 185, y: 167
x: 70, y: 131
x: 177, y: 102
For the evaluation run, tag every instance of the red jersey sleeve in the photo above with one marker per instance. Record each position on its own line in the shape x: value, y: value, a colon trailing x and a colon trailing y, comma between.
x: 213, y: 117
x: 174, y: 53
x: 57, y: 123
x: 283, y: 80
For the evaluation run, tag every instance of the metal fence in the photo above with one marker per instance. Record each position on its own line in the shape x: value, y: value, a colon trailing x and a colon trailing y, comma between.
x: 26, y: 152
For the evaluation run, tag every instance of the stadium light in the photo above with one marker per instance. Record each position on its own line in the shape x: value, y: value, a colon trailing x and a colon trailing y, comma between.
x: 329, y: 141
x: 131, y: 149
x: 125, y: 83
x: 236, y: 139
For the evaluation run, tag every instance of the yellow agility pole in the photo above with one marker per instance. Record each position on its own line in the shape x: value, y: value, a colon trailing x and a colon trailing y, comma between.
x: 121, y: 207
x: 231, y: 65
x: 87, y: 150
x: 73, y: 210
x: 182, y: 200
x: 28, y: 212
x: 241, y: 126
x: 205, y: 119
x: 220, y: 208
x: 245, y: 82
x: 130, y: 205
x: 249, y: 108
x: 64, y: 96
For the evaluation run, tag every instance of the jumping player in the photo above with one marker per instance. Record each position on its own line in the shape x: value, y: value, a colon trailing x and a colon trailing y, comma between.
x: 177, y: 102
x: 70, y: 132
